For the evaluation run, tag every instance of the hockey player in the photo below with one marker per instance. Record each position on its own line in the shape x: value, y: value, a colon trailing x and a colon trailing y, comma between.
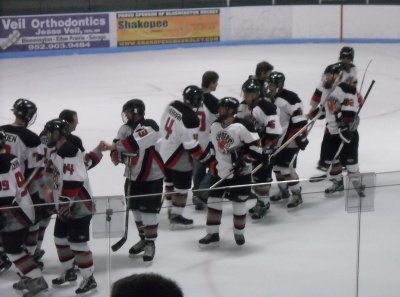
x: 234, y: 146
x: 26, y: 145
x: 264, y: 116
x: 72, y: 195
x: 16, y: 215
x: 179, y: 144
x: 348, y: 75
x: 207, y: 113
x: 292, y: 120
x: 263, y: 70
x: 340, y: 104
x: 135, y: 146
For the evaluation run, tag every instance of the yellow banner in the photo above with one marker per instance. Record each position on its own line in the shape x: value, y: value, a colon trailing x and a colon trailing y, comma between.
x: 168, y: 27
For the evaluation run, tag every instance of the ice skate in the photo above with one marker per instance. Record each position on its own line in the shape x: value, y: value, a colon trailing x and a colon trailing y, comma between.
x: 22, y: 284
x: 36, y: 286
x: 282, y: 194
x: 67, y: 279
x: 322, y: 165
x: 39, y: 253
x: 296, y: 201
x: 87, y: 287
x: 239, y: 238
x: 149, y: 252
x: 209, y: 241
x: 5, y: 263
x: 260, y: 210
x: 199, y: 205
x: 336, y: 190
x: 137, y: 248
x: 178, y: 222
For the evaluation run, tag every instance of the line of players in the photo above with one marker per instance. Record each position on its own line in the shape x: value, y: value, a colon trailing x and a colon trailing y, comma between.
x: 229, y: 137
x: 55, y: 168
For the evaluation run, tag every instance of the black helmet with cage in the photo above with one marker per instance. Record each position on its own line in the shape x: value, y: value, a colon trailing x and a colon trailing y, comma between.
x: 193, y: 95
x: 25, y: 110
x: 56, y: 128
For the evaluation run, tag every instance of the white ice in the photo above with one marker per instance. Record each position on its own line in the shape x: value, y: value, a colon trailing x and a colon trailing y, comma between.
x: 311, y: 252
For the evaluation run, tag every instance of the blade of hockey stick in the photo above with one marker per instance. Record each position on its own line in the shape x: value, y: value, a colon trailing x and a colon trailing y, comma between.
x: 315, y: 179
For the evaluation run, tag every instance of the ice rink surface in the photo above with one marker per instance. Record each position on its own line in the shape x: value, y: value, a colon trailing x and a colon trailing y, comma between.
x: 311, y: 252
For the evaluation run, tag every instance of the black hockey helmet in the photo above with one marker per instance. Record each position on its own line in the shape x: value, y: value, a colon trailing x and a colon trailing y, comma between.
x: 25, y: 110
x: 347, y: 52
x: 251, y: 86
x: 230, y: 103
x: 52, y: 126
x: 193, y: 95
x: 277, y: 78
x: 135, y: 105
x: 333, y: 69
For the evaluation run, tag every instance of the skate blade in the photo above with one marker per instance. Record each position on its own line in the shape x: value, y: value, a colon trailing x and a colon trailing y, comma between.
x: 175, y: 227
x: 64, y: 285
x: 335, y: 194
x: 134, y: 256
x: 298, y: 207
x: 212, y: 245
x: 88, y: 293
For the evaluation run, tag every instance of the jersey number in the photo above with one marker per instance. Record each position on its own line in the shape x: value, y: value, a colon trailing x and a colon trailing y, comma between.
x: 168, y: 127
x: 5, y: 185
x: 143, y: 133
x: 68, y: 167
x: 202, y: 117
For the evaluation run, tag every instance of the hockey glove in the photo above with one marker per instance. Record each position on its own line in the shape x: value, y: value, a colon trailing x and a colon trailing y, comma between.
x: 302, y: 141
x: 241, y: 165
x: 266, y: 156
x: 65, y: 208
x: 345, y: 133
x: 114, y: 157
x: 207, y: 156
x: 129, y: 159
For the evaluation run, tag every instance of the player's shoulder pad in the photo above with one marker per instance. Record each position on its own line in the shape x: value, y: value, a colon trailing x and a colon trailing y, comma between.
x: 67, y: 150
x: 189, y: 117
x: 267, y: 107
x: 290, y: 97
x: 29, y: 138
x: 211, y: 102
x: 348, y: 89
x: 151, y: 123
x: 8, y: 161
x: 247, y: 124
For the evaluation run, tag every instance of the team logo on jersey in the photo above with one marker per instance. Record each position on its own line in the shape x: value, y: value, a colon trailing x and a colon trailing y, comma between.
x: 332, y: 104
x: 224, y: 141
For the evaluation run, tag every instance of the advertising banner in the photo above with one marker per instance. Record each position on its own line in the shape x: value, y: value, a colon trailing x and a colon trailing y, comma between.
x: 168, y: 27
x: 54, y: 32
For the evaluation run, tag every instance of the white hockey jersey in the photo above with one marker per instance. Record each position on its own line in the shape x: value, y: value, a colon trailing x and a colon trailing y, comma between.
x: 179, y: 131
x: 349, y: 77
x: 239, y: 134
x: 70, y: 179
x: 12, y: 195
x: 207, y: 113
x: 291, y: 115
x: 340, y: 107
x: 142, y: 141
x: 265, y: 119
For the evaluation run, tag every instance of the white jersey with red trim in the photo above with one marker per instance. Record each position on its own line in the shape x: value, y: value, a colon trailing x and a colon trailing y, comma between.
x: 265, y: 118
x: 239, y: 134
x: 26, y: 145
x: 12, y: 195
x: 349, y: 77
x: 179, y: 131
x: 70, y: 179
x: 207, y: 113
x: 147, y: 163
x: 291, y: 115
x: 340, y: 107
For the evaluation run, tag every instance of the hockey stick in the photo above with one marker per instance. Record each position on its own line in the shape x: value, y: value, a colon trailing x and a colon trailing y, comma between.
x: 291, y: 139
x: 316, y: 179
x: 365, y: 72
x: 122, y: 241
